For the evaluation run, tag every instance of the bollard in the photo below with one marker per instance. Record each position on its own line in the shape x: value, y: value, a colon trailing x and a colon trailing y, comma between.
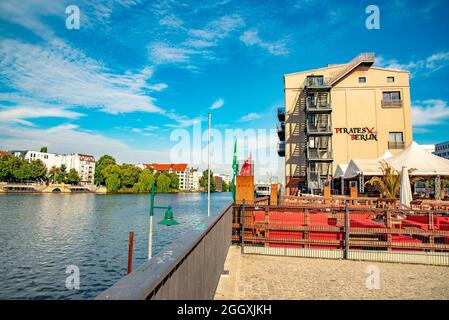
x: 243, y: 227
x: 346, y: 252
x: 130, y: 251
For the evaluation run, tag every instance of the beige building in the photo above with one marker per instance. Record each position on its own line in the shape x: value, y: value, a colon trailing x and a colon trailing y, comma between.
x: 338, y: 113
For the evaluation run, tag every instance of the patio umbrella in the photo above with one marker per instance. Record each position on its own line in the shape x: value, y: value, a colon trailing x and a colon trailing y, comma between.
x: 406, y: 190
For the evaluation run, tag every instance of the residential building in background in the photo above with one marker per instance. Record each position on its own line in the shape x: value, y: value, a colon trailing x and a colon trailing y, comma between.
x: 188, y: 177
x: 218, y: 183
x: 338, y: 113
x: 442, y: 149
x: 84, y: 164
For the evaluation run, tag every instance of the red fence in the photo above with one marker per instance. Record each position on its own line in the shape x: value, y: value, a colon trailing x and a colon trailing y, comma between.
x: 338, y: 232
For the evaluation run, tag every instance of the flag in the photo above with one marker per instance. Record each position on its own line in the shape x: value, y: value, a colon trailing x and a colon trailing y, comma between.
x: 246, y: 168
x: 235, y: 169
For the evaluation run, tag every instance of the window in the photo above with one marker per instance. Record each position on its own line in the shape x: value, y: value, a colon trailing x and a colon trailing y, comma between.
x: 315, y: 80
x: 392, y: 95
x: 362, y: 79
x: 395, y: 140
x: 390, y: 79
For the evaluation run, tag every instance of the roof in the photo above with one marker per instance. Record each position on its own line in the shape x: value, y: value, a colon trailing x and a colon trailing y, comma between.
x: 421, y: 161
x: 4, y: 153
x: 167, y: 166
x: 367, y: 167
x: 341, y: 169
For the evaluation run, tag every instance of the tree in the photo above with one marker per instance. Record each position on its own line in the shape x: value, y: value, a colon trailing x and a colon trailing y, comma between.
x: 203, y: 181
x: 162, y: 183
x: 174, y: 181
x: 129, y: 175
x: 146, y: 179
x: 38, y: 170
x: 23, y: 172
x: 73, y: 177
x: 224, y: 187
x: 102, y: 163
x: 52, y: 173
x: 44, y: 149
x: 8, y: 163
x: 61, y: 175
x: 389, y: 184
x: 113, y: 182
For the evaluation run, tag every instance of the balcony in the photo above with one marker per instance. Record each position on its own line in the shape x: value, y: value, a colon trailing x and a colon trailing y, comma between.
x: 396, y: 145
x: 320, y: 129
x: 314, y: 154
x: 317, y: 83
x: 281, y: 130
x: 281, y: 114
x: 281, y: 149
x: 318, y: 107
x: 392, y: 104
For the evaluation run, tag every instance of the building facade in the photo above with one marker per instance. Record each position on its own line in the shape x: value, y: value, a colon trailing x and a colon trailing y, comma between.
x: 84, y: 164
x: 338, y: 113
x: 442, y: 149
x: 188, y: 177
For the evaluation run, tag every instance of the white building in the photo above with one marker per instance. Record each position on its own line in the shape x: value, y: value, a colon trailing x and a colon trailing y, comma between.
x: 188, y: 177
x: 442, y: 150
x: 84, y: 164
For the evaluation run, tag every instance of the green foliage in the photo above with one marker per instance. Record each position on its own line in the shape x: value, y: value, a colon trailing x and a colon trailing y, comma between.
x: 62, y: 174
x: 174, y: 181
x: 162, y: 183
x: 224, y: 187
x: 52, y: 173
x: 44, y: 149
x: 102, y: 163
x: 146, y: 179
x: 13, y: 169
x: 73, y: 177
x: 113, y: 182
x: 203, y: 181
x: 129, y: 175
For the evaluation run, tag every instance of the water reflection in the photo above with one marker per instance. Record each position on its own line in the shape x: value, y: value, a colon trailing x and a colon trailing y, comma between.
x: 41, y: 234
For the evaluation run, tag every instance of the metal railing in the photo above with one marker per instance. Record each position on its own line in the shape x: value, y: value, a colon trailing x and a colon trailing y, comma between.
x: 319, y: 128
x: 363, y: 57
x: 318, y: 154
x: 392, y: 103
x: 390, y: 235
x: 188, y: 269
x: 281, y: 114
x: 396, y: 145
x: 318, y: 107
x: 317, y: 82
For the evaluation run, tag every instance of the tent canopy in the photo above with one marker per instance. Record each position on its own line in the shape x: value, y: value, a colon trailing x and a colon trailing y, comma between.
x: 340, y: 171
x: 421, y: 161
x: 367, y: 167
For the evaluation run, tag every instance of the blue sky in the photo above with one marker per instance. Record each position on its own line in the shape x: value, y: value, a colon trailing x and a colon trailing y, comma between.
x: 137, y: 70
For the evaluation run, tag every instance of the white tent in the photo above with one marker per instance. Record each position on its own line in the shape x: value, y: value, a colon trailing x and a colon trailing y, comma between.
x: 405, y: 194
x: 340, y: 171
x: 421, y: 161
x: 367, y: 167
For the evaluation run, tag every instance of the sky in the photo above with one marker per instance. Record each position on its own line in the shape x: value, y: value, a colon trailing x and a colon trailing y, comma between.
x: 138, y: 75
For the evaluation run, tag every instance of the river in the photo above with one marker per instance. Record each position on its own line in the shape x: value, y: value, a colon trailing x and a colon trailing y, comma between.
x: 42, y: 234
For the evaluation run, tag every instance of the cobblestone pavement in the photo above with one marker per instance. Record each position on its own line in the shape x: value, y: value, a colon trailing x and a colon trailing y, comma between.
x: 277, y: 277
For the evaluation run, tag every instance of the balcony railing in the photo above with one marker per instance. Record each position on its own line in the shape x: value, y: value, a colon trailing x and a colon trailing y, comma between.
x: 318, y: 107
x: 316, y: 82
x: 319, y: 129
x: 391, y: 103
x: 281, y: 114
x: 281, y: 149
x: 314, y: 154
x: 396, y: 144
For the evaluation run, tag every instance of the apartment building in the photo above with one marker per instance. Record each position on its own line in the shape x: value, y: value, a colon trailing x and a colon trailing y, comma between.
x: 442, y: 149
x: 84, y: 164
x: 337, y: 113
x: 188, y: 177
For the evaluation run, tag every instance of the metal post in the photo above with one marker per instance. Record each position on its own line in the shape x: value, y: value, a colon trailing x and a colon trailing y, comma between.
x: 242, y: 236
x: 208, y: 163
x: 346, y: 251
x: 130, y: 251
x: 150, y: 230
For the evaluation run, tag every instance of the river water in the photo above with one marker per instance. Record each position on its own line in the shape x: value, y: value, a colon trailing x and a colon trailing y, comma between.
x: 42, y: 234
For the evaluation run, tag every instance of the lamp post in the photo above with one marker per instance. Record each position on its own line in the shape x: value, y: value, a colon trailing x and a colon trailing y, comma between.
x: 167, y: 221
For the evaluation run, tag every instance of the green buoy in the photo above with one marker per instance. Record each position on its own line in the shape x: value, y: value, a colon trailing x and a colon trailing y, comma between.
x: 168, y: 218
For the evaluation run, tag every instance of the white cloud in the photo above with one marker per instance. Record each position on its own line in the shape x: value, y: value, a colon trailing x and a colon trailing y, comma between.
x: 425, y: 66
x: 69, y: 138
x: 161, y: 53
x: 251, y: 116
x: 217, y: 104
x: 219, y: 28
x: 171, y: 21
x: 65, y: 76
x: 429, y: 112
x: 17, y: 115
x: 251, y: 38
